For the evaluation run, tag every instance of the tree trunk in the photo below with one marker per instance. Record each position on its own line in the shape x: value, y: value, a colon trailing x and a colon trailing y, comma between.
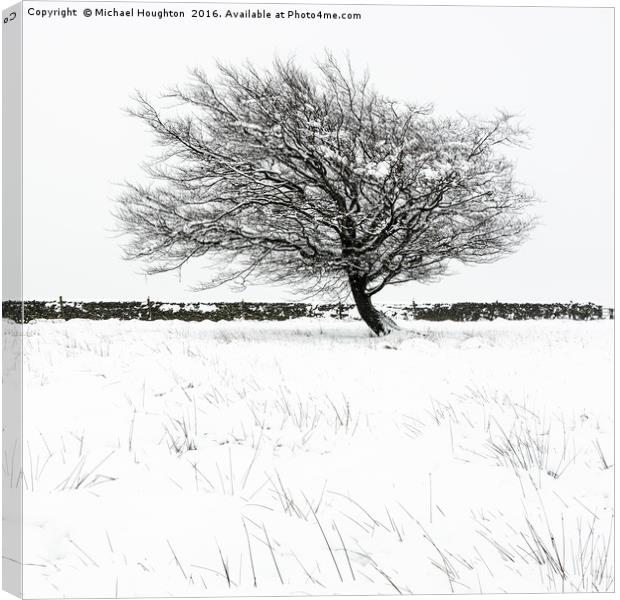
x: 378, y: 322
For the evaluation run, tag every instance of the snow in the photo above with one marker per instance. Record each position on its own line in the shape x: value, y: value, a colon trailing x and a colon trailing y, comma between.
x: 249, y: 125
x: 193, y: 459
x: 383, y: 169
x: 170, y: 307
x: 206, y: 308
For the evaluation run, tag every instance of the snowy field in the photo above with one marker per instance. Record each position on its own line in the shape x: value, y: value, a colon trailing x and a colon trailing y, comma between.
x: 308, y: 457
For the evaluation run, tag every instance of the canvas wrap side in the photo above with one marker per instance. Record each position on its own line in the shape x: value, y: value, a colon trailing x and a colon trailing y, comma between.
x: 12, y: 278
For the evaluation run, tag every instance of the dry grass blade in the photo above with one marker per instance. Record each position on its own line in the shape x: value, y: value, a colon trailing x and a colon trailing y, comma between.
x: 273, y: 556
x: 331, y: 552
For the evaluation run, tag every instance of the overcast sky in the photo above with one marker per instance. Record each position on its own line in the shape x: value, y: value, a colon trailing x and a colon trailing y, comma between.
x: 553, y: 66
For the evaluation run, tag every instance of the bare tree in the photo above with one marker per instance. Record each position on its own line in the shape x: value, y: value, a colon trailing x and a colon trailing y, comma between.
x: 320, y: 182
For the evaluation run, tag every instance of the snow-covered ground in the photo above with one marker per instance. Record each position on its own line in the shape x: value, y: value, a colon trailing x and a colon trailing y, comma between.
x: 308, y: 457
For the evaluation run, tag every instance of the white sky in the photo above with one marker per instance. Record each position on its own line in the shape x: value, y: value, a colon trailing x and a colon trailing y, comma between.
x: 551, y: 65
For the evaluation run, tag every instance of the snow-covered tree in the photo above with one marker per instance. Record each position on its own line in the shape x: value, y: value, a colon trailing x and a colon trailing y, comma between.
x: 318, y: 181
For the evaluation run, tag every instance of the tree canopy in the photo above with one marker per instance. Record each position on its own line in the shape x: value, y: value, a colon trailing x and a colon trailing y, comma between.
x: 317, y: 181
